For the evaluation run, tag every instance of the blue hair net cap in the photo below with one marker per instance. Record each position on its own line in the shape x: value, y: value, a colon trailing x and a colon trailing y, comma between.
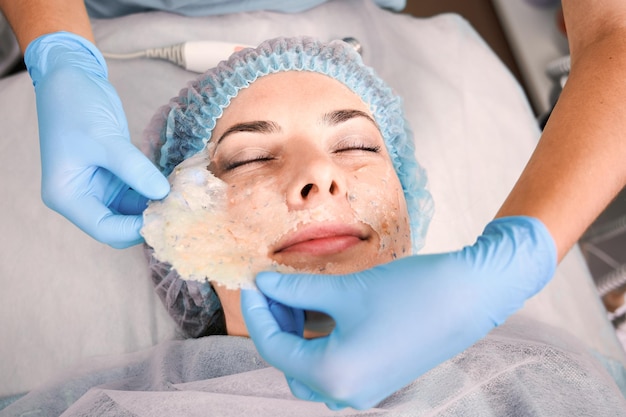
x: 184, y: 127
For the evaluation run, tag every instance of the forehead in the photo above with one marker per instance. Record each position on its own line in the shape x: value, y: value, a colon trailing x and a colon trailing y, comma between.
x: 282, y: 90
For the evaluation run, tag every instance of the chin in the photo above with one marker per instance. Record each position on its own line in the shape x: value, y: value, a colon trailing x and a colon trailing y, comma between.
x: 337, y: 264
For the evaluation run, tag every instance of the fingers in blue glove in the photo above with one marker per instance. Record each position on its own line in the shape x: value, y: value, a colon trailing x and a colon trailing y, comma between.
x: 289, y: 319
x: 301, y: 360
x: 396, y: 321
x: 264, y: 325
x: 117, y: 230
x: 268, y: 315
x: 129, y: 202
x: 132, y: 168
x: 88, y: 162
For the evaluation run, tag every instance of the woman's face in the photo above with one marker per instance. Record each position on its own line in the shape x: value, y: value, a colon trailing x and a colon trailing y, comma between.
x: 309, y: 179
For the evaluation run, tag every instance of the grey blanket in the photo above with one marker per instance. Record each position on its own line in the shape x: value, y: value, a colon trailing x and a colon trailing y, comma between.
x: 521, y: 369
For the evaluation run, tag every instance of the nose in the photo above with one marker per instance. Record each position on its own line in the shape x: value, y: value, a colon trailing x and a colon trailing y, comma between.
x: 315, y: 181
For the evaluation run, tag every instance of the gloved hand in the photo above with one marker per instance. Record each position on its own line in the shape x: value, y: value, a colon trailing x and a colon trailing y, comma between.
x: 396, y: 321
x: 290, y: 320
x: 91, y: 173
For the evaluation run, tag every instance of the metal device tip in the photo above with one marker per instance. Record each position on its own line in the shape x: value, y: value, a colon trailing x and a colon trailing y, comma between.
x: 354, y: 43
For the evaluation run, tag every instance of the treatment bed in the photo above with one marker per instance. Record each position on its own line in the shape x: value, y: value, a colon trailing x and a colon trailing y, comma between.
x: 69, y: 301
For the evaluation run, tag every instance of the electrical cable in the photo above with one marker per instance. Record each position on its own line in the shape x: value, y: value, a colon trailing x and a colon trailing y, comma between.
x: 198, y: 56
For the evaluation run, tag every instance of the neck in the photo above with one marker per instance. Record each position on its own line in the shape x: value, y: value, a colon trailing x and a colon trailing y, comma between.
x: 231, y: 304
x: 235, y: 324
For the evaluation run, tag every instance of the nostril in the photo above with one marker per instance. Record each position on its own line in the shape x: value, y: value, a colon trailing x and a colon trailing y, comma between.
x: 333, y: 188
x: 306, y: 190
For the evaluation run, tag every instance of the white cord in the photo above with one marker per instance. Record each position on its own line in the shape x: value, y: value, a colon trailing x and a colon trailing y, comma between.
x: 607, y: 231
x: 133, y: 55
x: 559, y: 67
x: 600, y: 254
x: 199, y: 56
x: 172, y: 53
x: 612, y: 281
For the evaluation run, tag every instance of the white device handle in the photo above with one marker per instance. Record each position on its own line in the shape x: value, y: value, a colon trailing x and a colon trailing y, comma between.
x: 199, y: 56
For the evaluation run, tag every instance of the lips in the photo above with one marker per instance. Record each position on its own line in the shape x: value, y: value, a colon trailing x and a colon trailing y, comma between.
x: 321, y: 240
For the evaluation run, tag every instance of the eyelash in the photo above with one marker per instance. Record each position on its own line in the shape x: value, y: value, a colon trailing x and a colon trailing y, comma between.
x: 237, y: 164
x: 359, y: 147
x: 261, y: 158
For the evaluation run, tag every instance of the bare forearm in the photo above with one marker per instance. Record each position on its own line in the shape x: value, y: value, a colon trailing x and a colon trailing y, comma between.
x: 578, y: 166
x: 589, y: 22
x: 32, y: 18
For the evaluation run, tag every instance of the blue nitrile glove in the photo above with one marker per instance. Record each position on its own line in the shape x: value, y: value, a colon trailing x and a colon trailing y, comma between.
x: 290, y: 320
x: 396, y: 321
x: 91, y: 173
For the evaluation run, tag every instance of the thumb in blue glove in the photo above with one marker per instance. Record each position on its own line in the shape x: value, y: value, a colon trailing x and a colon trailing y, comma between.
x: 396, y: 321
x: 91, y: 173
x: 288, y: 319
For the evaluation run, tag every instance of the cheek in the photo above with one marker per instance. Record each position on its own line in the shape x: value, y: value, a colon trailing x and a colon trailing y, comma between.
x: 207, y: 228
x: 255, y: 205
x: 377, y: 199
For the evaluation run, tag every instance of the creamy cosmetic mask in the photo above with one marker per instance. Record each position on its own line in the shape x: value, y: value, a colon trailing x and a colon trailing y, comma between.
x: 207, y: 229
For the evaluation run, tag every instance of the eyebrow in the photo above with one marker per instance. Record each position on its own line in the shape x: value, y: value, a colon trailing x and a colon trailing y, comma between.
x: 257, y: 126
x: 339, y: 116
x: 265, y: 126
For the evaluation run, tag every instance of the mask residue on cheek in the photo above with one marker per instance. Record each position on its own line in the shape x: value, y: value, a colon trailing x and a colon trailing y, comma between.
x: 206, y: 229
x: 191, y: 230
x: 384, y: 212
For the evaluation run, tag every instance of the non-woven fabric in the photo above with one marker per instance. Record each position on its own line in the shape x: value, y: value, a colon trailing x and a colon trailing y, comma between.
x: 523, y: 368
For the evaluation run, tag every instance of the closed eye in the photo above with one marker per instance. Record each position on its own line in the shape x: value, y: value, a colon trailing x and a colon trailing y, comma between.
x: 238, y: 163
x: 358, y: 147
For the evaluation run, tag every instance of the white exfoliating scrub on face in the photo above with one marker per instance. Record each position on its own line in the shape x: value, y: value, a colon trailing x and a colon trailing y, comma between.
x: 208, y: 229
x: 191, y: 230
